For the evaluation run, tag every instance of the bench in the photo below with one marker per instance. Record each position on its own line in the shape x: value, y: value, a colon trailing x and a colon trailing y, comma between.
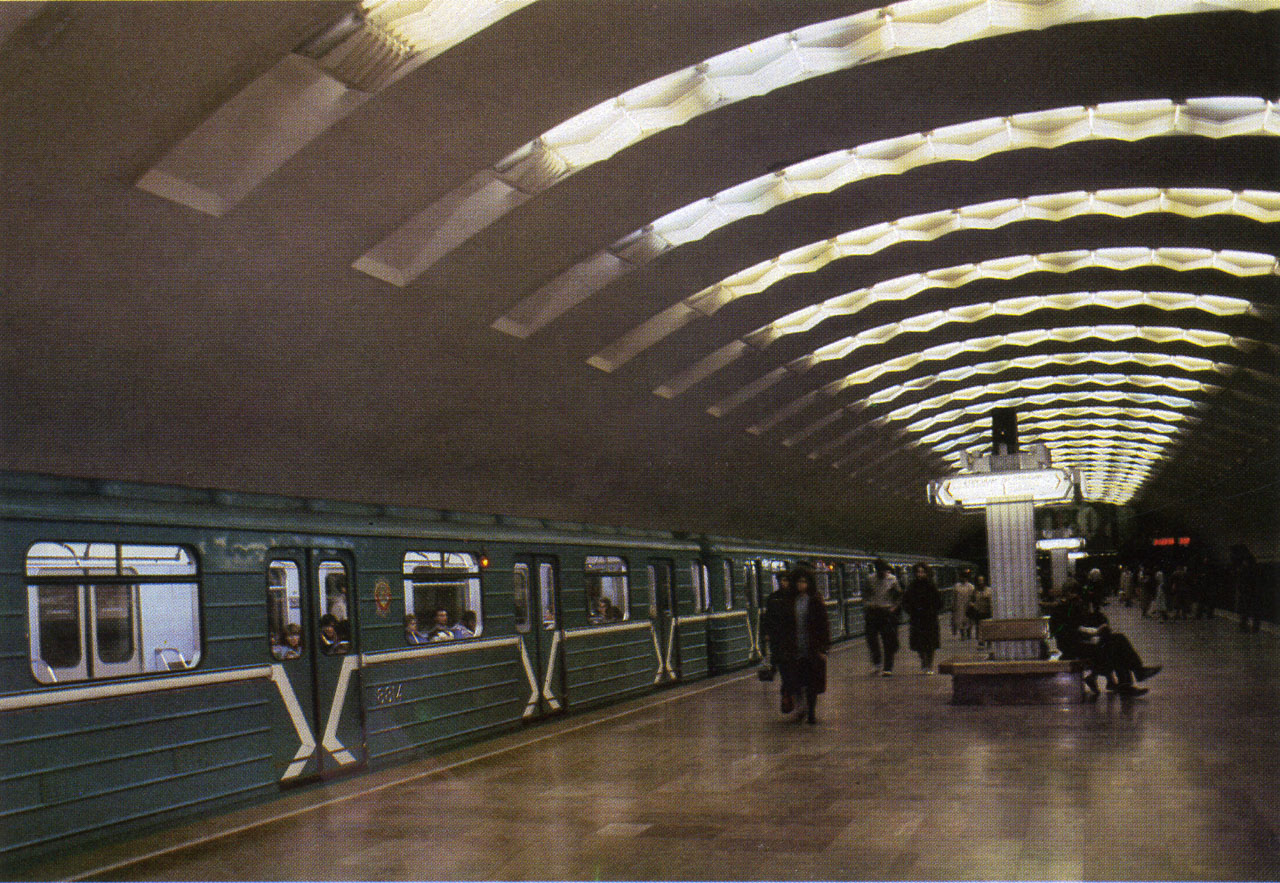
x: 981, y: 680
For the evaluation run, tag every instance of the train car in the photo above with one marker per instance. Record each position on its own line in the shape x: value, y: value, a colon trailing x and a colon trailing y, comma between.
x: 169, y: 652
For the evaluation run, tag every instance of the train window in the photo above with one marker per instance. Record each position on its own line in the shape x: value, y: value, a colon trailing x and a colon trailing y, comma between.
x: 852, y: 585
x: 520, y: 597
x: 547, y: 594
x: 823, y: 577
x: 701, y: 589
x: 607, y: 596
x: 334, y: 636
x: 728, y: 584
x: 442, y: 590
x: 284, y: 609
x: 749, y: 576
x: 100, y: 610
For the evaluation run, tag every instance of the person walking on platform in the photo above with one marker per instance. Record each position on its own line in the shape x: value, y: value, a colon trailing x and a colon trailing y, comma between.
x: 1244, y: 584
x: 923, y: 603
x: 772, y: 623
x: 881, y: 603
x: 799, y: 635
x: 960, y: 621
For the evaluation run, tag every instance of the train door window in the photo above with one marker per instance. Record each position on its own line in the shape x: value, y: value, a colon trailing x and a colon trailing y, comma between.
x: 442, y: 590
x: 660, y: 589
x: 99, y: 610
x: 695, y: 577
x: 728, y: 584
x: 547, y: 592
x: 334, y: 634
x: 607, y: 597
x: 751, y: 578
x: 284, y: 609
x: 520, y: 597
x: 823, y: 576
x: 852, y: 586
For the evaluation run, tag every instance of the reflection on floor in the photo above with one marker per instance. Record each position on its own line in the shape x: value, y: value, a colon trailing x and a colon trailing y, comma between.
x: 710, y: 782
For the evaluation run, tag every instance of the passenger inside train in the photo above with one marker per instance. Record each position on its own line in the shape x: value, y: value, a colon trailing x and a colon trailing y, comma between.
x: 290, y: 646
x: 440, y: 630
x: 411, y: 633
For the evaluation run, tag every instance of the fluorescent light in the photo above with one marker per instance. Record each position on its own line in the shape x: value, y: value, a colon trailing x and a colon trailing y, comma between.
x: 1126, y: 120
x: 1258, y: 205
x: 254, y: 133
x: 1167, y: 301
x: 898, y: 29
x: 950, y: 351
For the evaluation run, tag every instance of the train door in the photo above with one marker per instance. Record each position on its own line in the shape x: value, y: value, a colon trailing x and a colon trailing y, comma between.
x: 663, y: 613
x: 537, y: 600
x: 311, y: 601
x: 751, y: 579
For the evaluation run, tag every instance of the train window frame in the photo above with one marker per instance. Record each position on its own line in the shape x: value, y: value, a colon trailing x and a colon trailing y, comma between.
x: 424, y: 571
x: 727, y: 566
x: 607, y: 577
x: 154, y: 591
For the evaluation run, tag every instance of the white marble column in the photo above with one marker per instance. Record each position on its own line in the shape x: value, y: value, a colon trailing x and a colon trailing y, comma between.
x: 1011, y: 551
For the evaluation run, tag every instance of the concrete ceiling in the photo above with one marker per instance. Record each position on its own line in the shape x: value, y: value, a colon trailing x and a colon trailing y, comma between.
x: 247, y: 343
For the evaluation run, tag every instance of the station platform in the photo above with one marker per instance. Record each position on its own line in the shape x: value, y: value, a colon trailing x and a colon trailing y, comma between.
x: 708, y: 781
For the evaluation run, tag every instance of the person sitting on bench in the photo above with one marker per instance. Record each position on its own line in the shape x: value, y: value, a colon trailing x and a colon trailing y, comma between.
x: 1083, y: 632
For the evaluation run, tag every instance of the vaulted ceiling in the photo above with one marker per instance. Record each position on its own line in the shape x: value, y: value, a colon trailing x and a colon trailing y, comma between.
x: 749, y: 267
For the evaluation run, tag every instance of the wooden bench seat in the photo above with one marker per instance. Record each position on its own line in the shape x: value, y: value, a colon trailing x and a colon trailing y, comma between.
x: 1011, y: 666
x: 981, y: 680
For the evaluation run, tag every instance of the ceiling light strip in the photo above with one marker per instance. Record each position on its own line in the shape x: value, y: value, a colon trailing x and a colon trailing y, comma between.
x: 1050, y: 419
x: 1258, y: 205
x: 303, y: 95
x: 950, y: 351
x: 775, y: 62
x: 1110, y: 358
x: 1099, y: 399
x: 1131, y: 430
x: 970, y: 313
x: 1218, y: 117
x: 1051, y: 381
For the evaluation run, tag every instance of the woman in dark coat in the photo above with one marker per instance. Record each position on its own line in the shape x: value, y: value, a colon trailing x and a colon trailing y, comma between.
x: 800, y: 636
x: 923, y: 603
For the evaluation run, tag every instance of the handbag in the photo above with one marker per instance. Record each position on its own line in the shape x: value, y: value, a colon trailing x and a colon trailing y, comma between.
x: 765, y: 671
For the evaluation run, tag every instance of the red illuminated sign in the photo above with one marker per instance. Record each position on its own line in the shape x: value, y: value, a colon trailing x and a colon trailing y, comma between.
x: 1171, y: 541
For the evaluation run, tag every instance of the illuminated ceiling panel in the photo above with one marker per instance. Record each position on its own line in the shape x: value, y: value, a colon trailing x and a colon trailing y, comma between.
x: 750, y: 71
x: 970, y: 313
x: 1136, y: 431
x: 1258, y: 205
x: 1221, y: 117
x: 1104, y: 419
x: 1052, y: 381
x: 1190, y: 364
x: 962, y: 348
x: 254, y: 133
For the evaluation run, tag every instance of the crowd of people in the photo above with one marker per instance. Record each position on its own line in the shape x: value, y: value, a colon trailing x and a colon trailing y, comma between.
x: 795, y: 630
x: 440, y: 628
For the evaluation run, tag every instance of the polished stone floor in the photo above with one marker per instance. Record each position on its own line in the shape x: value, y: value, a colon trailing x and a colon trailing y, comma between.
x: 709, y: 782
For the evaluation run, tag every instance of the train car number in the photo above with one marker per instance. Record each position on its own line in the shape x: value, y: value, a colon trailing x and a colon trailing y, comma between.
x: 387, y: 694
